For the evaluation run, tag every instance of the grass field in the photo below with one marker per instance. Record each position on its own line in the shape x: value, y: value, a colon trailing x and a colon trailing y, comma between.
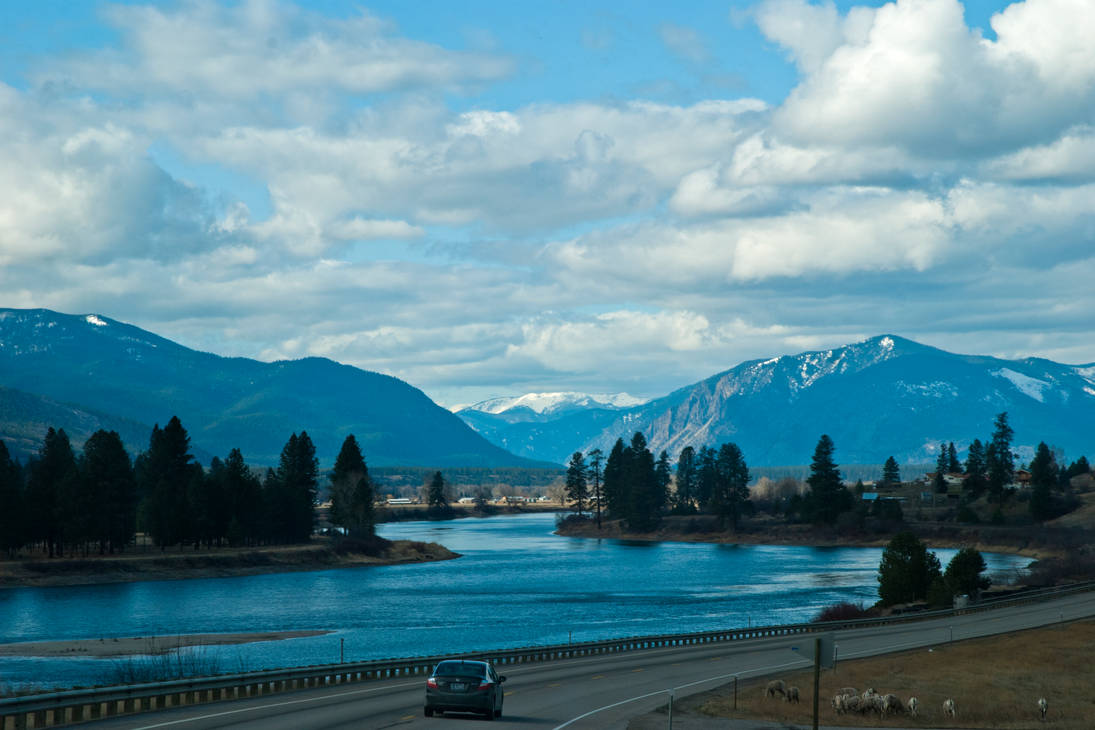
x: 995, y: 683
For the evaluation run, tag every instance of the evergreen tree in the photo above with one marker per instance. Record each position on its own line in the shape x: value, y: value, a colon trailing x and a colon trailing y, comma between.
x: 52, y: 475
x: 828, y: 496
x: 297, y: 481
x: 976, y: 482
x: 953, y: 465
x: 1000, y: 462
x: 436, y: 497
x: 576, y: 489
x: 891, y: 473
x: 938, y: 481
x: 963, y: 574
x: 12, y: 507
x: 614, y: 476
x: 644, y: 501
x: 243, y: 500
x: 596, y: 462
x: 732, y: 490
x: 907, y: 570
x: 1043, y: 475
x: 108, y: 480
x: 707, y: 477
x: 164, y: 477
x: 352, y: 491
x: 663, y: 476
x: 687, y: 476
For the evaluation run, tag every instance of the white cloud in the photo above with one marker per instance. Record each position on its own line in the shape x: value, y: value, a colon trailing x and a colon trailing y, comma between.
x: 685, y: 42
x: 357, y: 228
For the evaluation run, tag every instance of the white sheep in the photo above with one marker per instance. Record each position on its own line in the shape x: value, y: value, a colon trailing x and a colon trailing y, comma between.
x: 949, y: 709
x: 891, y: 704
x: 1043, y: 706
x: 850, y: 691
x: 776, y: 686
x: 792, y: 694
x: 913, y: 705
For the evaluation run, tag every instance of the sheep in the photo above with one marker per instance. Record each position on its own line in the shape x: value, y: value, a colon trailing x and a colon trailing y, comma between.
x: 949, y: 710
x: 1043, y: 706
x: 890, y: 704
x: 852, y: 703
x: 774, y: 687
x: 792, y: 695
x: 839, y: 704
x: 913, y: 706
x: 850, y: 691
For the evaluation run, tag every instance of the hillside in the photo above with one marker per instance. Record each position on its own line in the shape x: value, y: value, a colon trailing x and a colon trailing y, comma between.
x: 884, y: 396
x: 122, y: 377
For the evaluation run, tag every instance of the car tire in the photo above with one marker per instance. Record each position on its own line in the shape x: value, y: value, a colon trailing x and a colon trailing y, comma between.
x: 427, y: 711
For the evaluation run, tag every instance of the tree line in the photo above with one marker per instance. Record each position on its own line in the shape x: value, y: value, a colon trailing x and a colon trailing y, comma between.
x: 62, y: 502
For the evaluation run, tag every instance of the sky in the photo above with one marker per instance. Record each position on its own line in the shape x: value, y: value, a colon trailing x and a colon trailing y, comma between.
x: 493, y: 198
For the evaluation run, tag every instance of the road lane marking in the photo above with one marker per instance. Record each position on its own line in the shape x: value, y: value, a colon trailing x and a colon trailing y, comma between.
x: 275, y: 704
x: 636, y: 670
x: 598, y: 676
x: 407, y: 717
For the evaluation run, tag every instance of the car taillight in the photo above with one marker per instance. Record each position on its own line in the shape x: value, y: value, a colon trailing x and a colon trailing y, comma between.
x: 485, y: 685
x: 432, y: 682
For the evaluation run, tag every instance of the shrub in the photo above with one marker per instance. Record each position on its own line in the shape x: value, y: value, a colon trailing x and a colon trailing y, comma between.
x: 842, y: 612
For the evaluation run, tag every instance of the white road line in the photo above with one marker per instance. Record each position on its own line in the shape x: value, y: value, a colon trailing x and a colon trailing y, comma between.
x: 276, y: 704
x: 759, y: 670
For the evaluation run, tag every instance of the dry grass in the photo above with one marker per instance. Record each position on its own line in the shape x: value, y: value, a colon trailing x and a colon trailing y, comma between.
x: 995, y: 683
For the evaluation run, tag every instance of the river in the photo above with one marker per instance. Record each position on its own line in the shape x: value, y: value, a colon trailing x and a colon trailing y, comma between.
x: 517, y: 584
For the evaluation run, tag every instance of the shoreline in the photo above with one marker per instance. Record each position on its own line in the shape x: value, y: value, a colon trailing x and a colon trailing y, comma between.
x: 141, y: 645
x: 208, y: 563
x: 803, y: 536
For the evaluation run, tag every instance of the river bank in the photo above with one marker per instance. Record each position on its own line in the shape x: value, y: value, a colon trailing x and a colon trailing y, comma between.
x: 142, y: 645
x: 320, y: 554
x: 702, y: 529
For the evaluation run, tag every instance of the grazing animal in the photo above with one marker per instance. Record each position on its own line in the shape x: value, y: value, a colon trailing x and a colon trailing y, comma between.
x: 949, y: 710
x: 838, y: 704
x: 1043, y: 706
x: 891, y: 704
x: 776, y: 686
x: 913, y: 706
x: 792, y: 694
x: 850, y: 691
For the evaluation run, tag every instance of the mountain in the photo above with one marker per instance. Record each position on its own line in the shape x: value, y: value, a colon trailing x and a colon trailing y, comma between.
x: 120, y: 374
x: 884, y: 396
x: 546, y: 424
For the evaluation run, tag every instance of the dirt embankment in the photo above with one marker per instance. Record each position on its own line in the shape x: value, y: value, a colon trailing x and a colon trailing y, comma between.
x: 1035, y: 544
x: 212, y: 563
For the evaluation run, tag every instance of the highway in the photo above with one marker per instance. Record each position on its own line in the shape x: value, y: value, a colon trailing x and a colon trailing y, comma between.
x: 597, y: 692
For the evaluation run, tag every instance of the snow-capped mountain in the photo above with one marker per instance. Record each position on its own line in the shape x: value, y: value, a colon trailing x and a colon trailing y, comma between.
x: 553, y: 404
x: 884, y: 396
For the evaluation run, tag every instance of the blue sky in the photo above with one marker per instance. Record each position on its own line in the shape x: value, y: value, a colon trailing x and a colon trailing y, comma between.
x: 491, y: 198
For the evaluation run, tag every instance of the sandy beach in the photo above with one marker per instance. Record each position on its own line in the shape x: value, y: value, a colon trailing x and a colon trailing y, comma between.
x: 140, y: 645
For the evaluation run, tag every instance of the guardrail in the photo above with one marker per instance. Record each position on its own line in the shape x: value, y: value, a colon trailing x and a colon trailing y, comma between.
x: 74, y: 706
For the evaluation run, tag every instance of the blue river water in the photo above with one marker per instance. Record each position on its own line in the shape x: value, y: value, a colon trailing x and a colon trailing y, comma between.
x: 517, y: 584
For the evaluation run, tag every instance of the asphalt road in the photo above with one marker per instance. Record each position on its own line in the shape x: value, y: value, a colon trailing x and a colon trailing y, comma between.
x: 596, y: 692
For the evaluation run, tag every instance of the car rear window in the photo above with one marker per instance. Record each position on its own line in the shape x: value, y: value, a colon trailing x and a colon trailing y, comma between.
x: 449, y: 669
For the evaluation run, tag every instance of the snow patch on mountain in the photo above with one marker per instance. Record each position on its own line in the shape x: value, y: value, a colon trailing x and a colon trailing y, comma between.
x: 92, y: 319
x: 543, y: 403
x: 1027, y: 385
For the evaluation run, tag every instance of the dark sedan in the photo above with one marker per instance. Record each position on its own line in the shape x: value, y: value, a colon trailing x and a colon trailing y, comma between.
x: 464, y: 685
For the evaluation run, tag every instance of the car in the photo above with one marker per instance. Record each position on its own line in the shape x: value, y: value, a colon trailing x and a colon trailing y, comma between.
x: 464, y: 685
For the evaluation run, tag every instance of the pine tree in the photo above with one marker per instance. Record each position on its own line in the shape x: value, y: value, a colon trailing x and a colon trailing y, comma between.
x: 891, y: 473
x: 164, y: 477
x: 297, y: 479
x: 685, y: 497
x: 436, y: 496
x: 663, y: 477
x: 596, y: 461
x: 1043, y: 475
x: 953, y: 465
x: 614, y: 476
x: 1000, y: 462
x: 939, y: 481
x: 109, y: 481
x: 707, y: 478
x: 576, y: 489
x: 828, y: 496
x: 907, y: 570
x: 976, y: 482
x: 52, y: 476
x: 963, y: 574
x: 352, y: 491
x: 732, y: 489
x: 242, y: 492
x: 12, y: 505
x: 643, y: 500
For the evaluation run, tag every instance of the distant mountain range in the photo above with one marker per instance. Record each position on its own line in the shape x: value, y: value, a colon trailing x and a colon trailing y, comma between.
x: 886, y: 396
x: 84, y: 372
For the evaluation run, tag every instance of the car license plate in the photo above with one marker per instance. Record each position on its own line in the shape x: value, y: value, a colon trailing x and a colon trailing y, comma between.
x: 457, y: 686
